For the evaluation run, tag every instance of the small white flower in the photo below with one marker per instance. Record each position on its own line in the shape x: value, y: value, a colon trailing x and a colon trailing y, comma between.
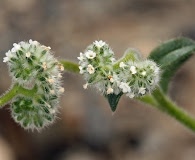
x: 61, y: 90
x: 61, y: 67
x: 143, y: 73
x: 125, y: 88
x: 50, y: 80
x: 99, y: 44
x: 52, y: 91
x: 90, y: 69
x: 15, y: 48
x: 46, y: 47
x: 85, y: 86
x: 109, y: 90
x: 122, y: 65
x: 112, y: 59
x: 82, y: 57
x: 6, y: 59
x: 130, y: 95
x: 142, y: 90
x: 59, y: 75
x: 52, y: 111
x: 8, y: 56
x: 111, y: 79
x: 90, y: 54
x: 133, y: 69
x: 33, y: 42
x: 44, y: 65
x: 28, y: 54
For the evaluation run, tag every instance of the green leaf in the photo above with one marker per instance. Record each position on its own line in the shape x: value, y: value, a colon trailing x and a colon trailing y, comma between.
x: 170, y: 56
x: 113, y: 100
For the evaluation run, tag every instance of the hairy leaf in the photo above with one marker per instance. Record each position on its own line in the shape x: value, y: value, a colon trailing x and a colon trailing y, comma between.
x: 170, y: 56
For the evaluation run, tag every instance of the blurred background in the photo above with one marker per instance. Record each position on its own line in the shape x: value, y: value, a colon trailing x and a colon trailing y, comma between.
x: 86, y: 128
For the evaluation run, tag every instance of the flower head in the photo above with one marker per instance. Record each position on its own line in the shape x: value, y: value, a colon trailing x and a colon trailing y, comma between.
x: 129, y: 75
x: 32, y: 65
x: 92, y: 65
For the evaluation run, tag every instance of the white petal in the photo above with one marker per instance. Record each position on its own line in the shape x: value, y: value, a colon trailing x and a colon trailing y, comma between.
x: 122, y: 65
x: 28, y: 54
x: 131, y: 95
x: 133, y: 69
x: 90, y: 69
x: 5, y: 59
x: 99, y: 44
x: 143, y: 73
x: 90, y: 54
x: 142, y: 90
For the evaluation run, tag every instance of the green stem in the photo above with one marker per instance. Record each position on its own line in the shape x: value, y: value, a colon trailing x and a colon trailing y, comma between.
x: 14, y: 91
x: 4, y: 99
x: 166, y: 105
x: 149, y: 99
x: 27, y: 92
x: 70, y: 66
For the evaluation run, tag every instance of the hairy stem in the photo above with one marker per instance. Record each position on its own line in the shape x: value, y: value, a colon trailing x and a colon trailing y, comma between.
x: 70, y: 66
x: 14, y: 91
x: 149, y: 99
x: 4, y: 99
x: 163, y: 103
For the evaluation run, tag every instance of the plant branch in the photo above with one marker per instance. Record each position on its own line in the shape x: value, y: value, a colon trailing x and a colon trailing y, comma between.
x: 70, y: 66
x: 163, y: 103
x: 11, y: 93
x: 14, y: 91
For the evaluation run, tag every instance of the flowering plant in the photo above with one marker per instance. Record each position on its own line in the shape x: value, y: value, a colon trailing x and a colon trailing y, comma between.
x: 36, y: 78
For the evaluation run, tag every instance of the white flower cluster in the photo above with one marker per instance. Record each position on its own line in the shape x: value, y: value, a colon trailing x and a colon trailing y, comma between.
x: 33, y: 65
x: 95, y: 65
x: 138, y: 78
x: 133, y: 78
